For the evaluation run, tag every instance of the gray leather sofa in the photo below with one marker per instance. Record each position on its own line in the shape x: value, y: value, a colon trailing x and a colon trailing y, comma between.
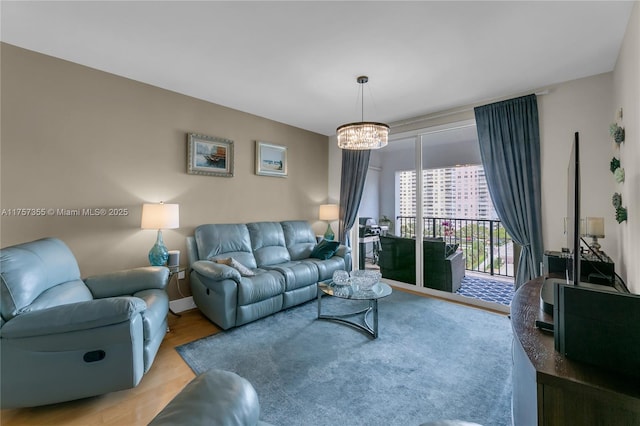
x: 214, y: 398
x: 62, y: 338
x: 277, y: 253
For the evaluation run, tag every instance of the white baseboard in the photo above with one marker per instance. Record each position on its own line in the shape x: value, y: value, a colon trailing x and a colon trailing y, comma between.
x: 184, y: 304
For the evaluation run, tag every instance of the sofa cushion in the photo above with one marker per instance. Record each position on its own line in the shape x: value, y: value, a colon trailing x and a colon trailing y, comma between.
x: 29, y: 269
x: 264, y: 285
x: 299, y: 238
x: 326, y: 268
x: 297, y: 274
x: 219, y: 241
x: 267, y: 242
x: 325, y: 249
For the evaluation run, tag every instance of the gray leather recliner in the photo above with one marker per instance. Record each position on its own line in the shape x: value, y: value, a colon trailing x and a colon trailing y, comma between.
x: 214, y: 398
x: 62, y: 338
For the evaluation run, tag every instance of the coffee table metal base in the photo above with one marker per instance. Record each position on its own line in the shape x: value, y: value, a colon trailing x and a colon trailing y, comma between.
x: 344, y: 318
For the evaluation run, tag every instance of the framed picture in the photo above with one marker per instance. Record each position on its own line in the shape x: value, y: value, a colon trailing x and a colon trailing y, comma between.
x: 208, y: 155
x: 271, y: 160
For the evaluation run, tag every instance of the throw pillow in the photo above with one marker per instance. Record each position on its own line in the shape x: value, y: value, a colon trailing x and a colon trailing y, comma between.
x: 230, y: 261
x: 325, y: 249
x: 450, y: 249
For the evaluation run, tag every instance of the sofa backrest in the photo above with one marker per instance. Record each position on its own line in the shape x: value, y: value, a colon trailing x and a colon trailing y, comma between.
x: 30, y: 269
x: 219, y: 241
x: 299, y: 238
x: 433, y: 255
x: 400, y: 250
x: 267, y: 242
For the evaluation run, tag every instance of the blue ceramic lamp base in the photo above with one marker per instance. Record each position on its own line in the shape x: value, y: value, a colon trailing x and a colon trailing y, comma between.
x: 329, y: 235
x: 158, y: 255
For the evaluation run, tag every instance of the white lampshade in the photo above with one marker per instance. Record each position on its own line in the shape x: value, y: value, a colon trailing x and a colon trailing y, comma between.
x: 329, y: 212
x: 160, y: 216
x: 592, y: 227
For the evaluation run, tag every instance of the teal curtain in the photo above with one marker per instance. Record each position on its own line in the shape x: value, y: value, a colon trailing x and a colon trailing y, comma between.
x: 509, y: 138
x: 355, y: 164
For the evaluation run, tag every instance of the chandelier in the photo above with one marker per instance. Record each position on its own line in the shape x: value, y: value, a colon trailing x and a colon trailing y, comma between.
x: 365, y: 134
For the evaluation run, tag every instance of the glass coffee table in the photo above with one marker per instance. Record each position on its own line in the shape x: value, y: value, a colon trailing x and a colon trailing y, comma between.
x: 378, y: 291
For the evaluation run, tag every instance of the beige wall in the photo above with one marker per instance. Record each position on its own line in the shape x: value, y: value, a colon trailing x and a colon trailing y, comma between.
x: 626, y: 85
x: 582, y: 106
x: 74, y: 138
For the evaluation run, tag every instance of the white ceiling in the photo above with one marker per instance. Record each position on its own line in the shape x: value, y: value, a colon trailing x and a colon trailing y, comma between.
x: 297, y: 62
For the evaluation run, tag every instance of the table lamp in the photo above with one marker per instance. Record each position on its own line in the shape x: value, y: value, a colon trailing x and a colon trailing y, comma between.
x: 593, y: 227
x: 329, y: 212
x: 160, y: 216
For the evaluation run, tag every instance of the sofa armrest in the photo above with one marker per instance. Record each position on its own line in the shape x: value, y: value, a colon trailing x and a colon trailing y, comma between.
x: 455, y: 257
x: 456, y: 269
x: 128, y: 282
x: 73, y: 317
x: 216, y: 271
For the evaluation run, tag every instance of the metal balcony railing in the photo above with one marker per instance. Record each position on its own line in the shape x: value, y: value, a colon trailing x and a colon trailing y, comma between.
x: 486, y: 245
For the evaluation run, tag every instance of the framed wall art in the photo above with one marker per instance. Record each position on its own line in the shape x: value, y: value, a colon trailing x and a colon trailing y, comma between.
x: 271, y: 160
x: 208, y: 155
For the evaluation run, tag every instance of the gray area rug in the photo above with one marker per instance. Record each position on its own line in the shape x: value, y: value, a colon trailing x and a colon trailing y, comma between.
x: 433, y: 360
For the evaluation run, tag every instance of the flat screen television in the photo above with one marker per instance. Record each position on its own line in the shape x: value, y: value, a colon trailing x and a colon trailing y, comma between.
x: 573, y: 211
x: 572, y: 231
x: 592, y: 323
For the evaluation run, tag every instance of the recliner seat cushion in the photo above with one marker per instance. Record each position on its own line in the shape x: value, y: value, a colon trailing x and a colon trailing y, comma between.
x: 297, y: 274
x: 264, y: 285
x: 327, y: 267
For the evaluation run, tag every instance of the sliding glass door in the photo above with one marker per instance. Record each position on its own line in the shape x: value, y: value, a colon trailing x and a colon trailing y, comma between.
x: 426, y: 194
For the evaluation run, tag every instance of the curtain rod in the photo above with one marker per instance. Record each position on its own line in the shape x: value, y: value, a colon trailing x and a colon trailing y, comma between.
x: 457, y: 111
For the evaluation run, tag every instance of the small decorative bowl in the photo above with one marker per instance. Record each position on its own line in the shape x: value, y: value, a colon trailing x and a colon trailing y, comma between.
x: 341, y: 278
x: 365, y: 278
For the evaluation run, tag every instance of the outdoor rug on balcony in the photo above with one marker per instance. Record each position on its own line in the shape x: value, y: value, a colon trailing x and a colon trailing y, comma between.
x: 486, y: 289
x: 433, y: 360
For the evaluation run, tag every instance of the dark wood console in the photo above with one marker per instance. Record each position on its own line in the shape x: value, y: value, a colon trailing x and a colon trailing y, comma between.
x: 549, y: 389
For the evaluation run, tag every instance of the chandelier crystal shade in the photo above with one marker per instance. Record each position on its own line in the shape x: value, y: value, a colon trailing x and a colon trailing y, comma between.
x: 364, y: 134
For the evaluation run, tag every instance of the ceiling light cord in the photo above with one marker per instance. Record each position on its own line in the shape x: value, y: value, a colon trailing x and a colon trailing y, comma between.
x: 362, y: 80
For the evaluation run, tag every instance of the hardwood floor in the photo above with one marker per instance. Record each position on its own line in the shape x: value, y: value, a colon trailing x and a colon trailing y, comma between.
x: 137, y: 406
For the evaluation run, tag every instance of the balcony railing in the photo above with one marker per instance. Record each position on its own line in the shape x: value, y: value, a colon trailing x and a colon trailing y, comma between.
x: 486, y: 245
